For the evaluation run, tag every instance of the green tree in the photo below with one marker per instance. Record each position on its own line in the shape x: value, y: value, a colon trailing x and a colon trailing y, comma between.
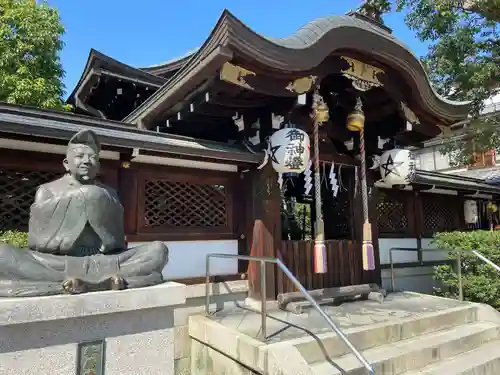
x: 30, y: 42
x: 480, y: 281
x: 463, y: 59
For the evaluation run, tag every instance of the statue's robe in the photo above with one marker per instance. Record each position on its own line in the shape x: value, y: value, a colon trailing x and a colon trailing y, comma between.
x: 61, y: 212
x: 76, y: 231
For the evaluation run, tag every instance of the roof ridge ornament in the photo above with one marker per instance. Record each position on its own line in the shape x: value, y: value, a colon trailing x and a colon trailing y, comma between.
x: 374, y: 9
x: 363, y: 76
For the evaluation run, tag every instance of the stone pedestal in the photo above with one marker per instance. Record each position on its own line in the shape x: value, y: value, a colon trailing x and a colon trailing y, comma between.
x: 134, y: 329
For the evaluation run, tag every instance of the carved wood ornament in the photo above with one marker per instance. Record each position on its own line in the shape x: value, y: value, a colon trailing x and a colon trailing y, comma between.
x: 363, y: 76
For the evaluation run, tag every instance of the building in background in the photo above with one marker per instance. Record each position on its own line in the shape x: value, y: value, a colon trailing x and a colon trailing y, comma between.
x: 486, y: 164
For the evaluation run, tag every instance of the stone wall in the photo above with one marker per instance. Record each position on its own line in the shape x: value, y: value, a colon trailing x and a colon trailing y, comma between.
x: 207, y: 361
x: 41, y: 335
x: 225, y: 295
x: 139, y: 331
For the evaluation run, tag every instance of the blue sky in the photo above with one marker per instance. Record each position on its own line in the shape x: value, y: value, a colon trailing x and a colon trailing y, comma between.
x: 148, y: 32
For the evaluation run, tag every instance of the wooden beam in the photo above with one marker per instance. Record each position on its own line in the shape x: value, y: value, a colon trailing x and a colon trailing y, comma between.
x: 318, y: 294
x: 190, y: 107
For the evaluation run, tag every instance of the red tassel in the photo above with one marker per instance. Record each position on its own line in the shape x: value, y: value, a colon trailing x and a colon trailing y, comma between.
x: 320, y: 265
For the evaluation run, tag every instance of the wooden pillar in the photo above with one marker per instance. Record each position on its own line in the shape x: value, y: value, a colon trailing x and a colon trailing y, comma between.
x: 416, y: 220
x: 241, y: 206
x: 263, y: 220
x: 127, y: 191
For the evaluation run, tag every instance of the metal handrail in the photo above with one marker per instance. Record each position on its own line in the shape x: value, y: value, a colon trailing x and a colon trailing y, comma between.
x: 298, y: 285
x: 459, y: 263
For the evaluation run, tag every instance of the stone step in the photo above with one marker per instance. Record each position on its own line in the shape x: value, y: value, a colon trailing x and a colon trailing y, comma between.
x: 484, y: 360
x: 414, y: 353
x: 315, y: 349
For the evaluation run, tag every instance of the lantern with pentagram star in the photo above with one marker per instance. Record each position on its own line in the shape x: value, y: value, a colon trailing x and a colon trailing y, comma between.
x: 397, y: 167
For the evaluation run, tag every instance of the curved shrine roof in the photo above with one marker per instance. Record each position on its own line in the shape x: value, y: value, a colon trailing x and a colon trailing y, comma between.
x: 300, y: 52
x: 294, y: 55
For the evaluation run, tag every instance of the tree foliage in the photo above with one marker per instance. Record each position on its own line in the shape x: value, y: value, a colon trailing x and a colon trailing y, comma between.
x: 17, y: 239
x: 480, y: 281
x: 463, y: 60
x: 30, y: 42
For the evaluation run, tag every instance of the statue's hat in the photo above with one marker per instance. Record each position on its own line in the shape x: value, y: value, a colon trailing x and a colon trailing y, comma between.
x: 85, y: 137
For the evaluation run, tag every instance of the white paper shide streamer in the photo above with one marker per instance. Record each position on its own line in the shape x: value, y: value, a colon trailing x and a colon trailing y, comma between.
x: 333, y: 181
x: 280, y: 181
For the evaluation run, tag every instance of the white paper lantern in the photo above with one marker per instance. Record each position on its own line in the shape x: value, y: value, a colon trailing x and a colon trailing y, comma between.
x: 397, y: 167
x: 470, y: 212
x: 289, y: 150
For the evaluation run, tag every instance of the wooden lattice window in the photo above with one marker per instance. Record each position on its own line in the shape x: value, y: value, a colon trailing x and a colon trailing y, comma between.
x: 17, y: 192
x: 391, y: 213
x: 170, y: 206
x: 440, y: 213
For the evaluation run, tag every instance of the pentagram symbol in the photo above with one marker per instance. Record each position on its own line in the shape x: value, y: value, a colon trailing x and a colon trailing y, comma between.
x: 274, y: 149
x: 387, y: 167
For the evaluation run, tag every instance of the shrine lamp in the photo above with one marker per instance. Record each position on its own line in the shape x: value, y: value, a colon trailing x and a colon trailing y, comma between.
x: 397, y: 167
x: 289, y: 150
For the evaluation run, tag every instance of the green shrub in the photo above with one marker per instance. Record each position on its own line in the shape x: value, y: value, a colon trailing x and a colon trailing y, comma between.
x: 481, y: 282
x: 17, y: 239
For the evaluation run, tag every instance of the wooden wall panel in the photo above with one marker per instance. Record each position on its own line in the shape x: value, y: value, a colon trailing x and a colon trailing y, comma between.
x: 344, y: 264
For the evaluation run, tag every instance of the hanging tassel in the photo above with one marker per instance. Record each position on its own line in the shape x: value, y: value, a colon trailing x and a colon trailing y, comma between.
x: 368, y: 256
x: 320, y: 116
x: 280, y: 181
x: 367, y: 249
x: 356, y: 123
x: 320, y: 258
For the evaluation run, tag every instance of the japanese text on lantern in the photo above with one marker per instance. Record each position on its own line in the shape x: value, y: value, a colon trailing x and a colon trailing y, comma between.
x: 294, y: 151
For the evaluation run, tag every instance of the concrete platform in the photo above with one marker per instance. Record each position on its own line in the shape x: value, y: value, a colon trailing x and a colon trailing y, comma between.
x: 406, y: 334
x: 282, y: 325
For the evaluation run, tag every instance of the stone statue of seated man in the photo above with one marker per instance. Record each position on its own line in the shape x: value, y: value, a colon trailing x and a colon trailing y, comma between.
x: 76, y: 237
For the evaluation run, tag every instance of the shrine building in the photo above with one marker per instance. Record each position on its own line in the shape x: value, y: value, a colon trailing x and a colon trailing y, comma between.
x: 184, y: 144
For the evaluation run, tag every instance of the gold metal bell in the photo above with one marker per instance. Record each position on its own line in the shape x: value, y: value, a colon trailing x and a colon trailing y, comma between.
x: 355, y: 121
x: 321, y: 114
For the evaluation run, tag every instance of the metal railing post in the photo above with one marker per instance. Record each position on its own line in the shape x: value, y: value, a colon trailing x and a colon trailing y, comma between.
x: 323, y: 314
x: 393, y: 281
x: 307, y: 295
x: 263, y: 295
x: 459, y: 276
x: 207, y: 286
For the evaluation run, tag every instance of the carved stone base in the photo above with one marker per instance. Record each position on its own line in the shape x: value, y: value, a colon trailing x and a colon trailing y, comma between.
x: 134, y: 328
